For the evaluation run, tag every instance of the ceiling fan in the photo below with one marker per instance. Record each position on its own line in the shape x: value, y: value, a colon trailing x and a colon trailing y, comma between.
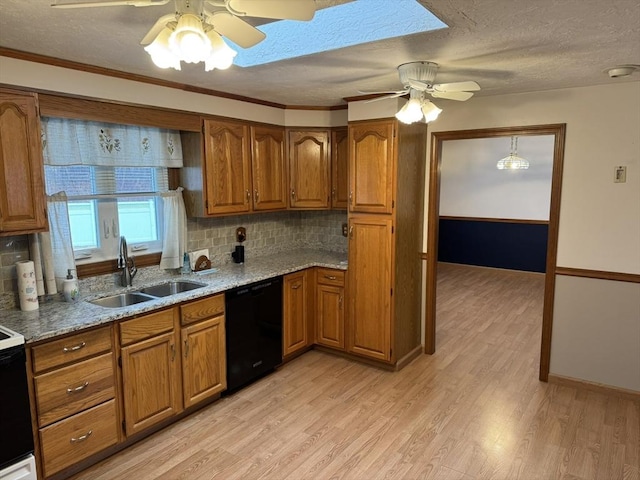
x: 420, y: 76
x: 193, y: 33
x: 417, y: 79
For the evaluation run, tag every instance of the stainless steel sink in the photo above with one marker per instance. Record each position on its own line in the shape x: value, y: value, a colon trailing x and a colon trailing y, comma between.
x: 122, y: 300
x: 171, y: 288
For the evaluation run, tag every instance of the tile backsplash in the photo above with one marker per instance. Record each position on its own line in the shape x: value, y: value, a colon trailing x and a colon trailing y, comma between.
x: 267, y: 233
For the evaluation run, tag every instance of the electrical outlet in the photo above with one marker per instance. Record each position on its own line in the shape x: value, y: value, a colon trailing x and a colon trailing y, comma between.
x: 620, y: 174
x: 345, y: 230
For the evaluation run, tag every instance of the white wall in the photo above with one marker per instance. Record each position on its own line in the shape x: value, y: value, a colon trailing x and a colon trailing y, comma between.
x: 599, y: 220
x: 57, y: 79
x: 472, y: 186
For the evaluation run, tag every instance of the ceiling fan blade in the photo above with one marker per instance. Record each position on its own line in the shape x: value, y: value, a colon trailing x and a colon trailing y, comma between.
x: 385, y: 97
x: 157, y: 27
x: 469, y: 86
x: 236, y: 29
x: 402, y: 92
x: 278, y: 9
x: 460, y: 96
x: 113, y: 3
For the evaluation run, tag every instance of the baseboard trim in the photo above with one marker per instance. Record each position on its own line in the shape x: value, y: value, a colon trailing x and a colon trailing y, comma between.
x: 409, y: 357
x: 594, y: 387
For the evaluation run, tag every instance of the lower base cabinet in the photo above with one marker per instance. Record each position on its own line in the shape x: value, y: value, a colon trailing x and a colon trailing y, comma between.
x: 295, y: 312
x: 70, y: 440
x: 330, y: 318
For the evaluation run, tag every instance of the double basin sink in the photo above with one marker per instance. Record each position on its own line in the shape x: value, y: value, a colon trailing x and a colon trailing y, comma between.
x: 146, y: 294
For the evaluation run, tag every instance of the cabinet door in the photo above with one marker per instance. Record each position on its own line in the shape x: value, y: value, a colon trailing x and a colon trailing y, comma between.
x: 339, y: 168
x: 295, y: 311
x: 268, y: 169
x: 369, y: 286
x: 309, y: 174
x: 204, y: 366
x: 150, y: 377
x: 372, y: 166
x: 227, y: 167
x: 330, y: 316
x: 21, y: 173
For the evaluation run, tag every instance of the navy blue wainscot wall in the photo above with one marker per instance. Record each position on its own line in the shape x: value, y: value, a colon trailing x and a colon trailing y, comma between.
x: 516, y: 245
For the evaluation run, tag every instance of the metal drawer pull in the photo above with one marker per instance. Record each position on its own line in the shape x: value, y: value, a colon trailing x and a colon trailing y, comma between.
x: 79, y: 388
x: 75, y: 348
x: 330, y: 277
x: 81, y: 438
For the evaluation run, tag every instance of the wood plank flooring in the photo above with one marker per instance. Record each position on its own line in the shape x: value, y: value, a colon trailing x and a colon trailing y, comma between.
x: 473, y: 411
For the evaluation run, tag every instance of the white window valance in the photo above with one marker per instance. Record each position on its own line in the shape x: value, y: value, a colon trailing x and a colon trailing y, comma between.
x: 79, y: 142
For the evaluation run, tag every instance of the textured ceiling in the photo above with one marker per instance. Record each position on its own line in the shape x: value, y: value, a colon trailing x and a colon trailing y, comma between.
x: 506, y: 46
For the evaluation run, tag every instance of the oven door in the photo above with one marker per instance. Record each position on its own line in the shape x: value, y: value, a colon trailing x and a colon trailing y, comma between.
x: 16, y: 437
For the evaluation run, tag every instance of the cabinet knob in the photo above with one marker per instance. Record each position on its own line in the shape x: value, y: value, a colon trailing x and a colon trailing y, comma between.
x: 173, y: 352
x: 293, y: 194
x: 351, y: 231
x: 186, y: 348
x: 256, y: 195
x: 351, y: 197
x: 248, y: 196
x: 330, y: 277
x: 340, y: 302
x: 333, y: 192
x: 296, y: 286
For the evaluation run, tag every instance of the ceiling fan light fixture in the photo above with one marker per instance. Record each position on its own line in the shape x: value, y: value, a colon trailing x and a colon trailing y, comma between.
x: 188, y: 41
x: 430, y: 111
x: 410, y: 112
x: 221, y: 55
x: 160, y: 52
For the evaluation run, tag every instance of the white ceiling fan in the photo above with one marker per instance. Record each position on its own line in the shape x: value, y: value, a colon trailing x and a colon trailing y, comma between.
x: 192, y: 33
x: 420, y: 76
x: 417, y: 79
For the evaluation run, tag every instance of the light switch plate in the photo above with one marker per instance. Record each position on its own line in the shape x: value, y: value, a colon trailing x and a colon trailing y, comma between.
x: 620, y: 174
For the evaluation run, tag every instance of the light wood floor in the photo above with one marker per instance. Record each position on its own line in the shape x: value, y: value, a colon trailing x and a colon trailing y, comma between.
x: 475, y: 410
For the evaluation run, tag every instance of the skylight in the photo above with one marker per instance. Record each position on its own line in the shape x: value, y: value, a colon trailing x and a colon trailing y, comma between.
x: 353, y: 23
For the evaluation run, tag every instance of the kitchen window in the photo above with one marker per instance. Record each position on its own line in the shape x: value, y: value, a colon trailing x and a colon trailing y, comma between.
x: 113, y: 176
x: 107, y: 202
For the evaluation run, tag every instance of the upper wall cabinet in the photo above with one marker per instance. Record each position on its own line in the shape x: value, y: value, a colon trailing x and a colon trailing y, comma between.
x: 268, y: 170
x: 339, y: 168
x: 309, y: 172
x: 227, y: 167
x: 372, y: 167
x: 22, y: 205
x: 243, y: 170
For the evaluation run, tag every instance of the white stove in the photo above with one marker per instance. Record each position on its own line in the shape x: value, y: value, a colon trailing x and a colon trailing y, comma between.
x: 9, y: 338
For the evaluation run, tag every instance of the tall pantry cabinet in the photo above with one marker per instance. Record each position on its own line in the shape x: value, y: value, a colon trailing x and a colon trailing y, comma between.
x: 386, y: 190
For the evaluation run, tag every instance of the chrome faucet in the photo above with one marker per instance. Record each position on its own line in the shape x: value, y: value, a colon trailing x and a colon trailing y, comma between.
x: 126, y: 264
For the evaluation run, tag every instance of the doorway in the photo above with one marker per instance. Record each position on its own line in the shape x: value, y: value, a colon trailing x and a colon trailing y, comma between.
x: 437, y: 141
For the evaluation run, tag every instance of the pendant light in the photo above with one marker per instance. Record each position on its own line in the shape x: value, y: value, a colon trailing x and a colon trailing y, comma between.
x: 513, y: 161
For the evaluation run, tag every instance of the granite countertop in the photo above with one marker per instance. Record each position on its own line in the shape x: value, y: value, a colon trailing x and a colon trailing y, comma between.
x: 58, y: 317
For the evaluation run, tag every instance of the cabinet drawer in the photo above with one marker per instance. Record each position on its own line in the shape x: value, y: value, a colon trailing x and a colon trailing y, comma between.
x: 71, y: 349
x: 329, y: 276
x: 72, y: 389
x: 69, y: 441
x: 202, y: 309
x: 146, y: 326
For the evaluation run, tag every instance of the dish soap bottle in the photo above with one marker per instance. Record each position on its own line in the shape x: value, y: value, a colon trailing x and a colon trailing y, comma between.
x: 70, y: 288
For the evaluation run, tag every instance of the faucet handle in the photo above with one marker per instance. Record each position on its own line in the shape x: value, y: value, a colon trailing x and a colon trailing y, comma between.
x: 133, y: 269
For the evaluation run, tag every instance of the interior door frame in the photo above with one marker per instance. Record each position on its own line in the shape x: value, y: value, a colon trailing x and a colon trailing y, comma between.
x: 437, y: 139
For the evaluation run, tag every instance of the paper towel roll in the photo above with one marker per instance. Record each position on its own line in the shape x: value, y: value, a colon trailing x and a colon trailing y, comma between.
x: 34, y: 249
x: 27, y: 290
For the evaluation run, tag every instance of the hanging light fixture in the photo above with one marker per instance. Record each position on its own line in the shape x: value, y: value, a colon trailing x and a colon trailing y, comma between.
x: 418, y: 108
x: 190, y: 43
x: 513, y: 161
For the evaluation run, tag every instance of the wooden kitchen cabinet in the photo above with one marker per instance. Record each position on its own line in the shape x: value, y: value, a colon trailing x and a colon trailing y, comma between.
x: 339, y: 168
x: 387, y: 161
x: 75, y: 398
x: 309, y: 169
x: 150, y: 370
x: 268, y: 169
x: 295, y: 312
x: 22, y: 198
x: 372, y: 166
x: 227, y: 167
x: 330, y: 307
x: 204, y: 368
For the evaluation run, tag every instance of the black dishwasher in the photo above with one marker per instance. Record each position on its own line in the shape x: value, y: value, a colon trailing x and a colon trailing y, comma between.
x: 253, y: 330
